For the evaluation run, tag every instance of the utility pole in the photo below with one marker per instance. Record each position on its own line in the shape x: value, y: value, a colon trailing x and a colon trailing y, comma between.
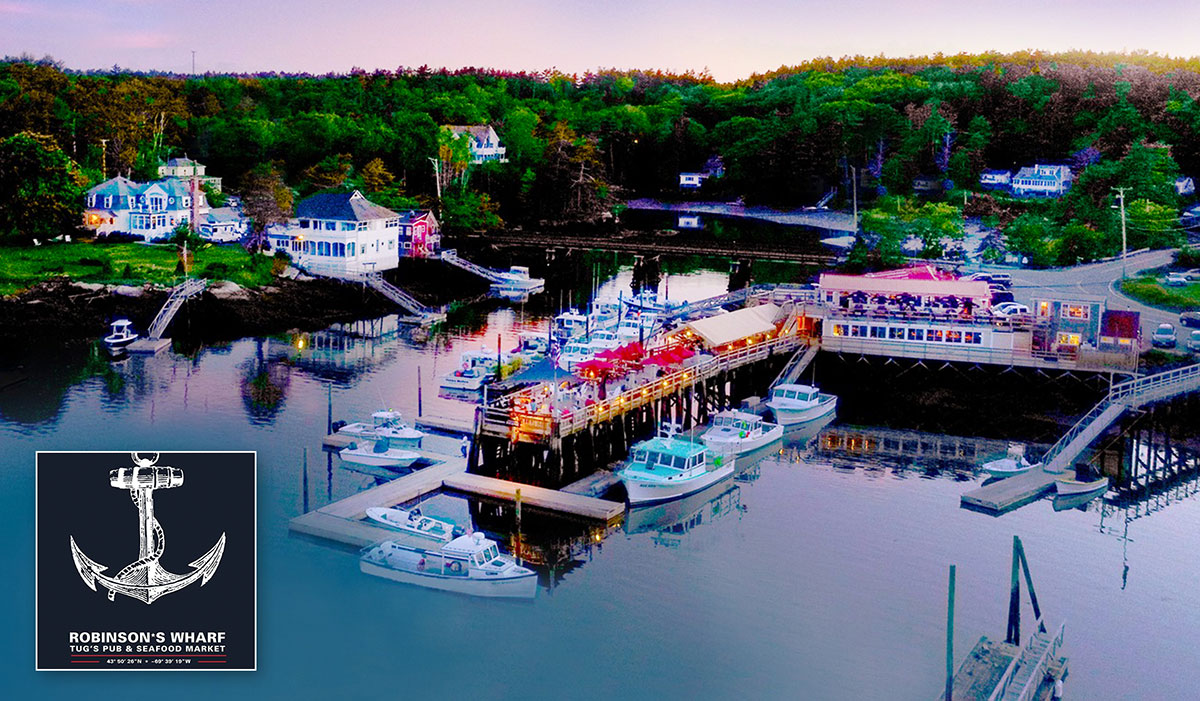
x: 1124, y: 239
x: 103, y: 163
x: 193, y: 62
x: 854, y: 189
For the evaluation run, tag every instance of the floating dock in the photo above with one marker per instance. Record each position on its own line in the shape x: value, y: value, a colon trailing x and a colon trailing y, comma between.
x: 984, y: 669
x: 148, y: 345
x: 594, y: 485
x: 1011, y: 492
x: 445, y: 424
x: 553, y: 500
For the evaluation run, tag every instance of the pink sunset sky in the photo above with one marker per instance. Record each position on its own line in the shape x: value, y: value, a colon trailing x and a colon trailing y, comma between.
x: 730, y: 39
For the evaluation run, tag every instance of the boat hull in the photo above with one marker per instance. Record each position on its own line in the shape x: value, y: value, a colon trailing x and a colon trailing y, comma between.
x: 645, y: 492
x: 741, y: 446
x: 379, y: 459
x: 462, y: 383
x: 791, y: 416
x: 1007, y: 467
x: 1070, y: 486
x: 118, y: 342
x: 519, y: 587
x: 398, y: 519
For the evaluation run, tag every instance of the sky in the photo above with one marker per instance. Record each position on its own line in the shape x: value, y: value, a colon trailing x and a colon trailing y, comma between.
x: 731, y: 39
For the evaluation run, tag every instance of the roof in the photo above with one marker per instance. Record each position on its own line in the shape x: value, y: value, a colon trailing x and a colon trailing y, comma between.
x: 341, y: 206
x: 996, y: 172
x: 941, y: 288
x: 176, y: 162
x: 1120, y: 323
x: 916, y: 272
x: 670, y: 446
x: 222, y: 214
x: 413, y: 215
x: 479, y: 131
x: 116, y: 186
x: 726, y: 328
x: 467, y: 544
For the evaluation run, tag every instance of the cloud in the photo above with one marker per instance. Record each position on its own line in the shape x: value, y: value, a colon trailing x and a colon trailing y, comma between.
x: 140, y: 40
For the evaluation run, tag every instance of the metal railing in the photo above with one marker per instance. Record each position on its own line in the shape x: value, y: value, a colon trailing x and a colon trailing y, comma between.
x: 1160, y: 385
x: 181, y: 292
x: 1033, y: 681
x: 451, y: 257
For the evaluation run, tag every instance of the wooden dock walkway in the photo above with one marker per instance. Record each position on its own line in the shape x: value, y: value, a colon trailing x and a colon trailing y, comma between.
x: 985, y: 668
x: 445, y: 424
x: 1009, y: 493
x: 538, y: 497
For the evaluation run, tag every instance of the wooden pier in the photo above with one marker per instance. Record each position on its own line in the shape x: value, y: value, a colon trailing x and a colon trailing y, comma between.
x: 1011, y: 492
x: 148, y: 345
x: 445, y: 424
x: 984, y: 670
x: 559, y: 502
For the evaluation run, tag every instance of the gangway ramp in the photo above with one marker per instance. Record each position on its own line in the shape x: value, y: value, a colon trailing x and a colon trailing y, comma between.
x: 451, y: 256
x: 799, y: 362
x: 154, y: 341
x: 403, y: 299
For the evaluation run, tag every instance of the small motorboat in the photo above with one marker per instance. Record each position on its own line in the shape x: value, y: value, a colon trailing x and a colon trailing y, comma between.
x: 469, y: 379
x: 666, y: 467
x: 415, y: 522
x: 739, y: 432
x: 387, y: 423
x: 1014, y: 463
x: 380, y: 454
x: 120, y: 335
x: 797, y: 404
x: 1070, y: 485
x: 517, y: 280
x: 469, y: 564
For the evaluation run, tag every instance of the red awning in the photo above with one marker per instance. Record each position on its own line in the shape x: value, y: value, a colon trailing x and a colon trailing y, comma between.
x: 593, y: 368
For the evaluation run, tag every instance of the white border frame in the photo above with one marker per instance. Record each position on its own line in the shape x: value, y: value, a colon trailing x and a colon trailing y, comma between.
x: 36, y: 611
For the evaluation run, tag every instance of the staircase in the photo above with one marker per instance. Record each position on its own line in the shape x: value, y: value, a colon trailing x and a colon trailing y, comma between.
x: 1023, y: 678
x: 188, y: 288
x: 403, y: 299
x: 451, y: 257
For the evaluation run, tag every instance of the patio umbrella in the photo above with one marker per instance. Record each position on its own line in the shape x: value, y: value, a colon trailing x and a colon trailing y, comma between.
x: 593, y: 368
x: 609, y: 354
x: 631, y: 352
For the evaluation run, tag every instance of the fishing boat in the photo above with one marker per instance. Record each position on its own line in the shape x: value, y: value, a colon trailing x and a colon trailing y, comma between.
x: 581, y: 350
x: 477, y: 369
x: 415, y: 522
x: 797, y: 404
x: 386, y: 423
x: 380, y: 453
x: 637, y: 326
x: 120, y: 335
x: 568, y: 325
x: 1071, y: 486
x: 532, y: 346
x: 666, y: 467
x: 1014, y: 463
x: 469, y: 564
x: 517, y: 280
x: 739, y: 432
x: 649, y: 301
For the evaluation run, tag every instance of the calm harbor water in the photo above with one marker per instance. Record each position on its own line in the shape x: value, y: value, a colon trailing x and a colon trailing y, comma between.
x: 811, y: 576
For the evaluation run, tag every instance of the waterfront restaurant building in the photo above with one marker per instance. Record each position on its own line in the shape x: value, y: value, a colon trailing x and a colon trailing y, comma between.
x: 340, y: 234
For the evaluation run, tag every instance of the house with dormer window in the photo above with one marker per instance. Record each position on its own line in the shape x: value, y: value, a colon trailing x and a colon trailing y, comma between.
x: 150, y: 210
x: 420, y: 236
x: 340, y: 234
x: 185, y: 168
x: 484, y: 143
x: 1047, y: 181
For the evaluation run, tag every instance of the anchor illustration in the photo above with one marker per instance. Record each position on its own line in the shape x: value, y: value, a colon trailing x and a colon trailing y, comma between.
x: 144, y: 579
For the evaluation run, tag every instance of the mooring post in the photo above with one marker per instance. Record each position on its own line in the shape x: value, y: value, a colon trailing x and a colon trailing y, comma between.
x: 1014, y: 598
x: 518, y: 548
x: 950, y: 638
x: 304, y: 480
x: 1037, y: 611
x: 329, y: 412
x: 418, y: 391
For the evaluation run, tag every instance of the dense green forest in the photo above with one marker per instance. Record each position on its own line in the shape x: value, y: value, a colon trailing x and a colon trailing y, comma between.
x: 578, y: 145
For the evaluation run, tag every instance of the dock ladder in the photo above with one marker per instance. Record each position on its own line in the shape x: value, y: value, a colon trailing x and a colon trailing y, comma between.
x: 179, y: 294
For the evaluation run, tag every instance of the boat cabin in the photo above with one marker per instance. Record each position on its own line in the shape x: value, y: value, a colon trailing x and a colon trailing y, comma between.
x: 738, y: 421
x: 799, y: 393
x: 570, y: 323
x: 668, y: 454
x: 387, y: 417
x: 533, y: 341
x: 477, y: 550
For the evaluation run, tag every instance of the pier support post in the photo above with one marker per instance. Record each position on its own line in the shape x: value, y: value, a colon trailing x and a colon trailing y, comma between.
x: 950, y: 638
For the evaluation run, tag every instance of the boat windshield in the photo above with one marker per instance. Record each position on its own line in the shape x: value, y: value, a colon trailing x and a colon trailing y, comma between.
x: 639, y: 456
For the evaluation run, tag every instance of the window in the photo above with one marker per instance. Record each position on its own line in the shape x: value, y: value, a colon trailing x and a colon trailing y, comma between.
x: 878, y: 331
x: 1075, y: 311
x: 840, y: 330
x: 896, y: 333
x: 858, y: 331
x: 934, y: 335
x: 391, y: 244
x: 303, y: 223
x: 347, y: 226
x: 362, y: 226
x: 1069, y: 339
x: 350, y: 249
x: 954, y: 337
x: 107, y: 201
x: 916, y: 334
x: 1043, y: 309
x: 973, y: 337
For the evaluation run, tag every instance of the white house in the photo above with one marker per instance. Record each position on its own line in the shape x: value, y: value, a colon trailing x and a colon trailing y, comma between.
x: 1185, y: 186
x: 223, y: 224
x: 150, y: 210
x: 186, y: 168
x: 692, y: 180
x: 484, y: 143
x: 340, y: 233
x: 1042, y: 180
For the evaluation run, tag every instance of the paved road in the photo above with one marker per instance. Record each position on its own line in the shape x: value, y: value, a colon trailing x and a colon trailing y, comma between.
x: 1096, y: 280
x: 820, y: 218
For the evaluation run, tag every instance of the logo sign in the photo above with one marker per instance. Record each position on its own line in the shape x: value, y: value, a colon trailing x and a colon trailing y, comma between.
x: 105, y: 566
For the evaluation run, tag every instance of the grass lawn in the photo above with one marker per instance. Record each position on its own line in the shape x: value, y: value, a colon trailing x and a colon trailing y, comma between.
x: 127, y: 263
x: 1148, y: 289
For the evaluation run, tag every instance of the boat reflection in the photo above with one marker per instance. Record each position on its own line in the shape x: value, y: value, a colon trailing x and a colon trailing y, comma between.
x: 671, y: 521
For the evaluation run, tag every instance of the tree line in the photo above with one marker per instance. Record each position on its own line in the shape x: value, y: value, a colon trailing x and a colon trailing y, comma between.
x: 578, y: 144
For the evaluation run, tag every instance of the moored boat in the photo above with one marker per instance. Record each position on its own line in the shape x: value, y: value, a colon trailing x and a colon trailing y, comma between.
x: 469, y: 564
x: 1014, y: 463
x: 795, y: 404
x: 120, y: 335
x: 380, y: 453
x: 386, y: 423
x: 666, y: 467
x: 740, y: 432
x: 517, y: 279
x: 414, y: 522
x: 1071, y: 486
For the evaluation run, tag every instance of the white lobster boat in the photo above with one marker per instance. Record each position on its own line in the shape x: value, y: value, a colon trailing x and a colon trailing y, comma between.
x: 797, y: 404
x: 666, y: 467
x: 414, y: 522
x: 1070, y: 486
x: 469, y: 564
x: 739, y: 432
x: 517, y: 280
x: 1014, y: 463
x: 378, y: 454
x: 386, y: 423
x: 120, y: 335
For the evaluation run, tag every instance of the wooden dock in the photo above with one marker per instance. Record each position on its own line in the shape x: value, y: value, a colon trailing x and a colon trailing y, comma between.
x: 1011, y: 492
x: 445, y: 424
x: 538, y: 497
x: 593, y: 485
x: 148, y: 345
x: 985, y: 667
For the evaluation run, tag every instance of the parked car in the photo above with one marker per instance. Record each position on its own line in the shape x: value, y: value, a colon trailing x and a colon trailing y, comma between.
x: 978, y: 277
x: 1191, y: 319
x: 1193, y: 275
x: 1163, y: 336
x: 1009, y: 309
x: 1002, y: 279
x: 1176, y: 279
x: 1001, y: 297
x: 1193, y: 343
